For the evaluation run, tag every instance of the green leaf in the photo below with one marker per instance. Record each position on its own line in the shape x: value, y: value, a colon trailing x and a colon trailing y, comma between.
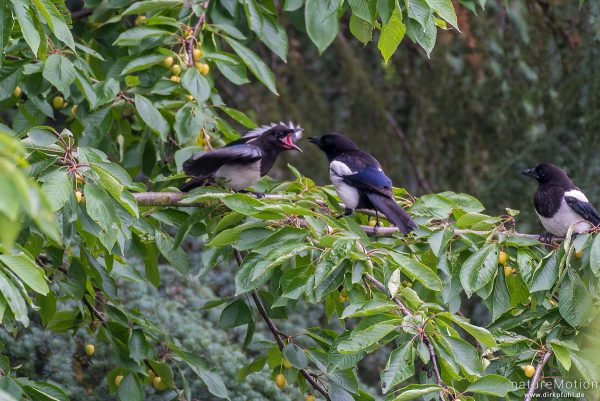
x: 214, y: 383
x: 130, y: 389
x: 239, y: 117
x: 152, y: 5
x: 295, y: 355
x: 196, y: 84
x: 414, y: 391
x: 142, y: 63
x: 391, y: 35
x: 479, y: 333
x: 176, y: 257
x: 13, y: 298
x: 361, y: 29
x: 444, y: 9
x: 254, y: 64
x: 138, y: 345
x: 595, y: 255
x: 400, y: 366
x: 425, y: 36
x: 133, y: 36
x: 574, y: 300
x: 418, y: 271
x: 152, y: 116
x: 58, y: 187
x: 491, y: 385
x: 321, y: 22
x: 28, y: 26
x: 27, y: 270
x: 479, y: 269
x: 235, y: 314
x: 101, y: 209
x: 59, y: 71
x: 362, y: 339
x: 562, y: 355
x: 55, y: 21
x: 6, y: 26
x: 545, y: 274
x: 464, y: 354
x: 188, y: 123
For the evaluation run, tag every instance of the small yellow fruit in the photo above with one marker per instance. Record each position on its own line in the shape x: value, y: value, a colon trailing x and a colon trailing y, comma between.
x: 372, y: 223
x: 197, y: 54
x: 188, y: 32
x: 508, y: 271
x: 175, y: 78
x: 176, y: 70
x: 201, y: 141
x: 151, y: 374
x: 409, y: 284
x: 202, y: 68
x: 280, y: 380
x: 74, y: 109
x: 58, y: 102
x: 344, y: 293
x: 17, y: 92
x: 118, y: 380
x: 579, y: 254
x: 79, y: 178
x: 158, y: 384
x: 286, y: 364
x: 168, y: 62
x: 140, y: 20
x: 89, y: 348
x: 309, y: 397
x: 342, y: 298
x: 502, y: 258
x: 529, y: 371
x: 79, y: 197
x: 189, y: 98
x: 514, y: 271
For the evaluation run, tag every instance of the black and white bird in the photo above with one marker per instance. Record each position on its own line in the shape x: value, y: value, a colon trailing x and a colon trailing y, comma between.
x: 559, y: 203
x: 359, y: 180
x: 243, y: 162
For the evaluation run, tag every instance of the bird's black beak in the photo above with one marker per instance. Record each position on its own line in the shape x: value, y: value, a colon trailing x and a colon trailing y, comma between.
x: 315, y: 139
x: 530, y: 172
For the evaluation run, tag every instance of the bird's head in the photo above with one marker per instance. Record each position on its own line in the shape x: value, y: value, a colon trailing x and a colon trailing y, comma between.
x: 547, y: 173
x: 333, y: 144
x: 282, y: 136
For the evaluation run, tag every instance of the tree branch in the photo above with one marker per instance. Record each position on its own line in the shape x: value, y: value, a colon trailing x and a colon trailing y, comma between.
x: 176, y: 199
x: 192, y: 39
x: 426, y: 340
x: 537, y: 375
x: 277, y: 333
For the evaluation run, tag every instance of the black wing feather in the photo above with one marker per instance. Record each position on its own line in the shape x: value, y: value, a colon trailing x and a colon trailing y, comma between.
x: 584, y: 209
x: 204, y: 165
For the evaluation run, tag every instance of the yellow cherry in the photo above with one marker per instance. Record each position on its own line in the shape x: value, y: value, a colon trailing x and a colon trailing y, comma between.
x: 197, y: 54
x: 89, y: 348
x: 175, y: 78
x: 17, y: 92
x: 140, y: 20
x: 118, y: 380
x: 158, y: 384
x: 508, y: 271
x: 168, y: 62
x: 502, y: 258
x: 176, y: 70
x: 58, y: 102
x: 579, y: 254
x: 286, y: 364
x: 529, y: 370
x: 280, y: 380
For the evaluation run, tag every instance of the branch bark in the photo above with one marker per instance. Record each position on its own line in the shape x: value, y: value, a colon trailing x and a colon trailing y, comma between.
x: 192, y: 39
x: 277, y: 333
x: 537, y: 375
x: 426, y: 340
x: 175, y: 199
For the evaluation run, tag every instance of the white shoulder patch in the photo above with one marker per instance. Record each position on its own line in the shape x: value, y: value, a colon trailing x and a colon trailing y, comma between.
x: 574, y: 193
x: 340, y: 169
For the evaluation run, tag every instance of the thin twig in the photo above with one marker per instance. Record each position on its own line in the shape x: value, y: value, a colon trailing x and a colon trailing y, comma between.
x: 426, y: 340
x: 537, y: 375
x: 192, y: 39
x: 94, y: 311
x: 276, y: 332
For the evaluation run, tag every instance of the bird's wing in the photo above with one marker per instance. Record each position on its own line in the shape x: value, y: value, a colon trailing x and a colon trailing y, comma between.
x: 584, y: 209
x: 206, y: 164
x: 371, y: 179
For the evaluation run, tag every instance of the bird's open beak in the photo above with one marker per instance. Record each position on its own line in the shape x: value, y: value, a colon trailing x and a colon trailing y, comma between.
x: 288, y: 142
x: 530, y: 172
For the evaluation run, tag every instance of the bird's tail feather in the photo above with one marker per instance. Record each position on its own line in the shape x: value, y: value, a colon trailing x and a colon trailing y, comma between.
x: 393, y: 212
x: 194, y: 182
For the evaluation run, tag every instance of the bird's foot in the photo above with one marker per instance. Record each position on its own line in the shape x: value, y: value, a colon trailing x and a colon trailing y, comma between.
x: 347, y: 212
x: 546, y: 238
x: 258, y: 195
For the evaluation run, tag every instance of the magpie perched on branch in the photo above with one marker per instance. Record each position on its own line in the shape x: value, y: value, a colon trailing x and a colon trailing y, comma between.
x: 559, y: 203
x: 243, y: 162
x: 359, y: 180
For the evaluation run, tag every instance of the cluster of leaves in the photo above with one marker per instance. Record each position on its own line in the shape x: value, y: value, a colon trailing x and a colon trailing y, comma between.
x: 121, y: 95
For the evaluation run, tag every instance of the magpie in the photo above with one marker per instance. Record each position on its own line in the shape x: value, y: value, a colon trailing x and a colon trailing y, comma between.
x: 559, y: 203
x: 241, y: 163
x: 359, y: 180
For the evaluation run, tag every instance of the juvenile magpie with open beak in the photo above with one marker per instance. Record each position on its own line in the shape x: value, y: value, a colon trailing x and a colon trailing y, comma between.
x: 359, y: 180
x: 243, y: 162
x: 559, y: 203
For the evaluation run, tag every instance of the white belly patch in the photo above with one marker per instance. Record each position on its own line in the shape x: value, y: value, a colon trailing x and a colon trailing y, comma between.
x: 238, y: 176
x: 565, y: 217
x: 348, y: 194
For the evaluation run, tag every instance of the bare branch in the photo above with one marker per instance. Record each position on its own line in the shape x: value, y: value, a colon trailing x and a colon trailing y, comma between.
x: 537, y: 375
x: 277, y: 333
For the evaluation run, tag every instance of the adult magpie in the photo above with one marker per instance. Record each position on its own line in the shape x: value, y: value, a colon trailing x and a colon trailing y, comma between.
x: 241, y: 163
x: 559, y: 203
x: 359, y: 180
